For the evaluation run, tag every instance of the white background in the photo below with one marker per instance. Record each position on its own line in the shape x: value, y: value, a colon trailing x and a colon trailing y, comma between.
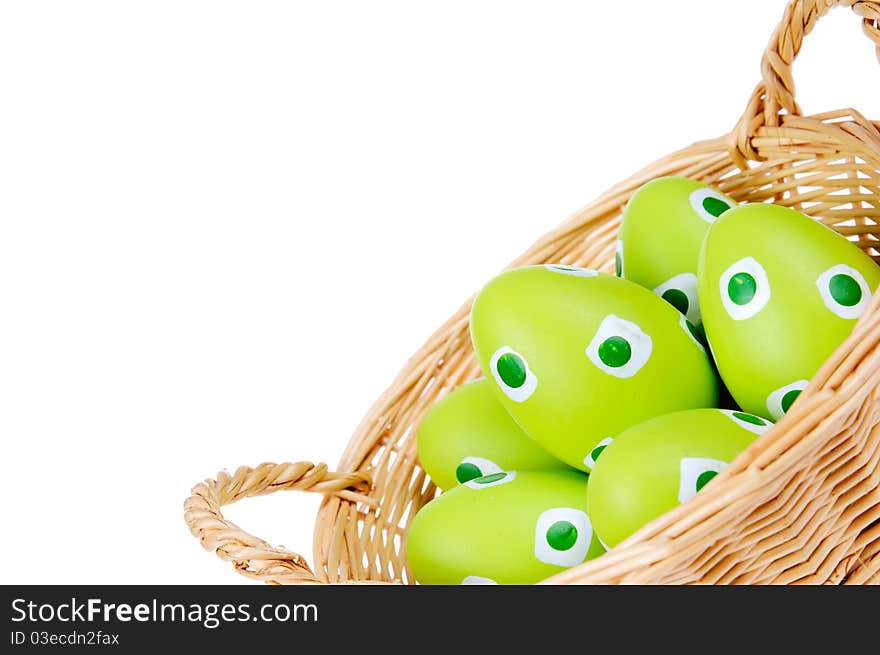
x: 225, y: 226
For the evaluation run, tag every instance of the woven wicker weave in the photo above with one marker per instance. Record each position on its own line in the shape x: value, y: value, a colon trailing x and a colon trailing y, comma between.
x: 801, y: 505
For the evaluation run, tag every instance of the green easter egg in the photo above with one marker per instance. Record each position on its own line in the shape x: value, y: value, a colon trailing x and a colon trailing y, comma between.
x: 468, y: 434
x: 779, y: 292
x: 653, y: 466
x: 661, y: 232
x: 579, y: 356
x: 515, y: 527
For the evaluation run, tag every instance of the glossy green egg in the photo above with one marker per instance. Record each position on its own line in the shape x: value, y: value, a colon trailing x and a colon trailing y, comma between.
x: 515, y: 527
x: 468, y: 434
x: 577, y: 356
x: 656, y: 465
x: 779, y: 292
x: 661, y: 232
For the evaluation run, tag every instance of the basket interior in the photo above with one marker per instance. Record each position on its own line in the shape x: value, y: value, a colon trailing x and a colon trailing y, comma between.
x: 823, y: 165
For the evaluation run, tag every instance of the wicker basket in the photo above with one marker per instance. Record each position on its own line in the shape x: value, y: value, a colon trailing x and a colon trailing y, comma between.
x: 801, y: 505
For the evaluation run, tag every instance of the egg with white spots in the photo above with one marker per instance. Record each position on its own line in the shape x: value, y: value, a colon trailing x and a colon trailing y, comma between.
x: 576, y: 359
x: 660, y: 463
x: 468, y: 434
x: 779, y: 292
x: 661, y: 232
x: 515, y: 527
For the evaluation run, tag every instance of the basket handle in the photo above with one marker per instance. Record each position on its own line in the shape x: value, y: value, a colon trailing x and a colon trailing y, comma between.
x: 251, y: 556
x: 775, y: 93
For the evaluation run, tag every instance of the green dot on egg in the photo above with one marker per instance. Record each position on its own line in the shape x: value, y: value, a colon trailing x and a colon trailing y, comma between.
x: 715, y: 206
x: 748, y: 418
x: 467, y: 471
x: 678, y: 299
x: 845, y: 290
x: 789, y: 398
x: 512, y: 370
x: 742, y: 288
x: 594, y: 455
x: 704, y: 478
x: 615, y: 352
x: 562, y: 535
x: 618, y: 264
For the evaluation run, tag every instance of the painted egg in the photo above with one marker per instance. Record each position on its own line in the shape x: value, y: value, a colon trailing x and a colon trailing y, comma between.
x: 577, y: 356
x: 515, y: 527
x: 655, y: 465
x: 468, y: 434
x: 779, y: 292
x: 663, y: 226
